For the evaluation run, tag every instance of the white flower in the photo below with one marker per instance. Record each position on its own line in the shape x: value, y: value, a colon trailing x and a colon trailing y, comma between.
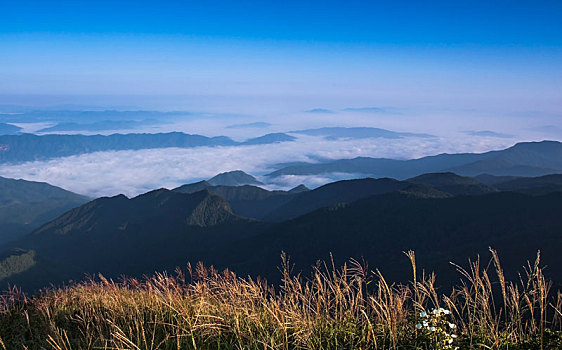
x: 452, y: 325
x: 423, y: 314
x: 419, y: 326
x: 450, y: 341
x: 446, y: 312
x: 453, y: 335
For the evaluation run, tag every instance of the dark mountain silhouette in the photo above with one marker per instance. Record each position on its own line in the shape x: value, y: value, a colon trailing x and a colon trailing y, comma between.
x: 379, y: 228
x: 376, y: 219
x: 533, y: 185
x: 523, y: 159
x: 248, y: 201
x: 423, y: 191
x: 453, y: 184
x: 335, y: 193
x: 492, y: 180
x: 160, y: 229
x: 234, y: 178
x: 25, y: 205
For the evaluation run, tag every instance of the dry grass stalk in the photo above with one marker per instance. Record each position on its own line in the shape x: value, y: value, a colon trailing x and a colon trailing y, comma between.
x: 347, y: 307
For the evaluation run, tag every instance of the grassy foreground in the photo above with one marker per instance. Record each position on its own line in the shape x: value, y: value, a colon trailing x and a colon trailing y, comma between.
x: 335, y: 308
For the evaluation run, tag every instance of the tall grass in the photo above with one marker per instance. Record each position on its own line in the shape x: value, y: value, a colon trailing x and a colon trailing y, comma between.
x: 347, y: 307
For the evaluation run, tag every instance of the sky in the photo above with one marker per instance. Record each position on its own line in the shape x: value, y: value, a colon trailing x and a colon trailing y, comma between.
x: 464, y: 54
x: 479, y: 75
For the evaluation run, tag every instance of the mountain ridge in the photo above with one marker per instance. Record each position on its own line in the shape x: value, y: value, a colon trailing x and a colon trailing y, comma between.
x: 30, y: 147
x: 522, y: 159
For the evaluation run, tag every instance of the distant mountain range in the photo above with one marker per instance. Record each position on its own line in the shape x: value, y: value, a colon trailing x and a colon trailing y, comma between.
x: 334, y: 133
x: 522, y: 159
x: 443, y: 216
x: 28, y: 147
x: 98, y: 126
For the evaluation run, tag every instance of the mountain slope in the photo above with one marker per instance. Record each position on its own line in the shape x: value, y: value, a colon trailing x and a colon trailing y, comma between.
x: 380, y: 228
x: 533, y: 185
x: 452, y: 183
x: 155, y: 231
x: 247, y: 201
x: 25, y: 205
x: 374, y: 219
x: 346, y: 191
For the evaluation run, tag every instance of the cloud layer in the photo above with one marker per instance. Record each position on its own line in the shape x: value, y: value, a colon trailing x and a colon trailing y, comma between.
x: 134, y: 172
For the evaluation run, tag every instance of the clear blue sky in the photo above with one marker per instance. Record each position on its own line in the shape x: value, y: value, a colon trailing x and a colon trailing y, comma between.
x: 486, y: 52
x: 452, y: 22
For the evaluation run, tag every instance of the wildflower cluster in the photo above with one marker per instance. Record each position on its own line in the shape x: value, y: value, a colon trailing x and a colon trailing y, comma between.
x: 436, y: 329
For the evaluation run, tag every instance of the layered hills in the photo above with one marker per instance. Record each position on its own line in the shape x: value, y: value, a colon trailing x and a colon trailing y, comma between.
x: 117, y: 235
x: 522, y: 159
x: 443, y: 216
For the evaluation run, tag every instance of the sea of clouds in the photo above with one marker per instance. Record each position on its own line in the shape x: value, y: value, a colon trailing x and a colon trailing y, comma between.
x: 135, y: 172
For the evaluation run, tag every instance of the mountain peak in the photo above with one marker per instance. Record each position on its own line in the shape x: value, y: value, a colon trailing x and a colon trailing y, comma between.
x: 300, y: 188
x: 158, y: 208
x: 234, y: 178
x: 210, y: 211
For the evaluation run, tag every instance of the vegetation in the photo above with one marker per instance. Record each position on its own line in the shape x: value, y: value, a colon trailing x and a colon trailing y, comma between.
x: 26, y: 205
x: 350, y: 307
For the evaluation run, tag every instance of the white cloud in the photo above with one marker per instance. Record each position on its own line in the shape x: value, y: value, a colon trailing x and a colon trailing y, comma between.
x: 135, y: 172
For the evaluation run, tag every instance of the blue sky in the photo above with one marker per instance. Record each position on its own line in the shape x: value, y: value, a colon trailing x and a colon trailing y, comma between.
x: 453, y: 54
x: 368, y: 22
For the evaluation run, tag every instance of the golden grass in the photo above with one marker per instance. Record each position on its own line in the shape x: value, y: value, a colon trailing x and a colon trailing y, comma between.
x: 335, y: 308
